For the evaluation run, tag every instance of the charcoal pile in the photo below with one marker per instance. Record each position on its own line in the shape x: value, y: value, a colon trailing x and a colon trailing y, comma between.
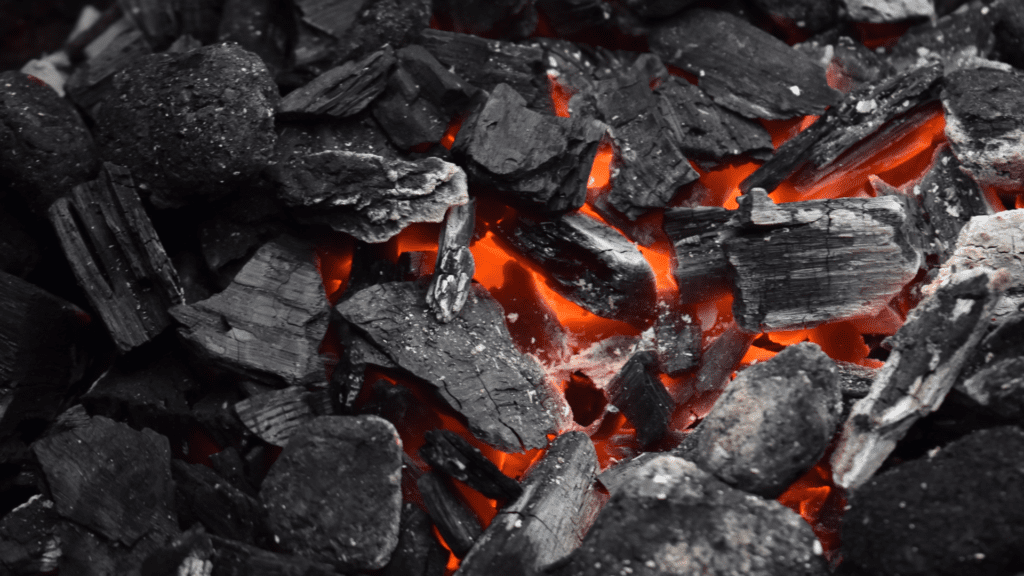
x: 530, y: 287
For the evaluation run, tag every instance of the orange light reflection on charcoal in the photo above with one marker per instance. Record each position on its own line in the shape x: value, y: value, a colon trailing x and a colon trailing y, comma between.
x: 334, y: 262
x: 452, y: 131
x: 560, y: 96
x: 812, y: 496
x: 600, y: 171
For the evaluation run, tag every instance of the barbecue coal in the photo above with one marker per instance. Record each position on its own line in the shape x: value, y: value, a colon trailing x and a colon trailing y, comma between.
x: 457, y: 524
x: 992, y: 375
x: 418, y: 552
x: 448, y: 452
x: 962, y: 39
x: 950, y: 199
x: 453, y: 273
x: 638, y: 393
x: 344, y: 90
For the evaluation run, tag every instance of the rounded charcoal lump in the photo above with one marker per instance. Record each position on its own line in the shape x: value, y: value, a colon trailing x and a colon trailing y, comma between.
x: 191, y: 126
x: 45, y: 148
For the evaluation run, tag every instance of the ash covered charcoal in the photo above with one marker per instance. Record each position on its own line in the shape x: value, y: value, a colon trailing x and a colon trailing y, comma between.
x: 671, y: 517
x: 448, y: 452
x: 638, y: 393
x: 117, y: 257
x: 418, y: 552
x: 205, y: 497
x: 92, y: 81
x: 470, y: 361
x: 557, y: 507
x: 494, y: 19
x: 334, y: 494
x: 677, y: 342
x: 698, y: 263
x: 344, y: 90
x: 928, y: 353
x: 453, y: 272
x: 268, y: 324
x: 45, y: 148
x: 773, y: 422
x: 538, y: 161
x: 191, y: 126
x: 590, y: 263
x: 809, y: 15
x: 984, y: 124
x: 800, y: 264
x: 963, y: 39
x: 877, y: 11
x: 457, y: 524
x: 957, y: 511
x: 994, y: 374
x: 349, y: 374
x: 950, y: 199
x: 852, y: 64
x: 274, y: 416
x: 750, y: 71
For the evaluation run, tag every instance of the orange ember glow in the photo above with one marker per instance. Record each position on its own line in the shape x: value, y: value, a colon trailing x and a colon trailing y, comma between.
x: 334, y: 261
x: 601, y: 171
x: 814, y: 497
x: 560, y: 96
x: 453, y: 130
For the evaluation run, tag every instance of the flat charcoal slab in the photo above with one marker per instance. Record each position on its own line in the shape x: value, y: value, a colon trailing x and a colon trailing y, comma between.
x: 951, y: 199
x: 589, y: 262
x: 203, y: 496
x: 699, y: 264
x: 809, y: 15
x: 957, y: 512
x: 344, y: 90
x: 269, y: 323
x: 471, y: 361
x: 457, y: 524
x: 985, y: 123
x: 773, y: 421
x: 274, y: 416
x: 749, y: 71
x: 800, y: 264
x: 677, y: 339
x: 334, y: 495
x: 671, y: 517
x: 879, y: 11
x: 638, y: 393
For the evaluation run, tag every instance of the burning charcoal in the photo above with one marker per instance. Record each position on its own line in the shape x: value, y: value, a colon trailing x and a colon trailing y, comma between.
x: 700, y: 265
x: 45, y: 148
x: 450, y: 453
x: 965, y: 504
x: 418, y: 552
x: 92, y: 82
x: 471, y: 361
x: 203, y: 496
x: 721, y: 358
x: 259, y: 26
x: 992, y: 376
x: 983, y: 122
x: 678, y: 341
x: 457, y: 524
x: 928, y: 353
x: 368, y: 196
x: 750, y: 71
x: 269, y: 322
x: 453, y: 273
x: 200, y: 19
x: 856, y: 66
x: 221, y: 133
x: 28, y: 538
x: 842, y: 127
x: 603, y: 360
x: 657, y: 8
x: 616, y: 476
x: 809, y: 15
x: 709, y: 133
x: 1009, y: 33
x: 877, y: 11
x: 342, y: 91
x: 540, y: 161
x: 642, y: 398
x: 117, y: 256
x: 799, y: 264
x: 959, y: 40
x: 347, y: 380
x: 334, y: 496
x: 773, y: 421
x: 568, y: 17
x: 670, y: 517
x: 189, y: 554
x: 497, y: 18
x: 274, y: 416
x: 951, y: 199
x: 590, y: 263
x: 547, y: 522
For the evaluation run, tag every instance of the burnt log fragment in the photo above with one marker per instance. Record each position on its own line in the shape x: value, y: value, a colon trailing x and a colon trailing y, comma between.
x: 965, y: 503
x: 928, y: 353
x: 590, y: 263
x: 671, y: 517
x: 557, y: 507
x: 800, y: 264
x: 418, y: 552
x: 157, y: 20
x: 638, y: 393
x: 699, y: 264
x: 879, y: 11
x: 1009, y: 33
x: 773, y: 422
x: 260, y: 26
x: 86, y: 553
x: 233, y: 558
x: 450, y: 453
x: 538, y: 161
x: 117, y: 256
x: 274, y: 416
x: 268, y: 324
x: 344, y: 90
x: 751, y: 72
x: 221, y: 133
x: 92, y: 81
x: 950, y: 199
x: 677, y: 340
x: 453, y: 272
x: 203, y: 496
x: 349, y: 374
x: 334, y: 494
x: 470, y: 361
x: 840, y: 128
x: 457, y: 524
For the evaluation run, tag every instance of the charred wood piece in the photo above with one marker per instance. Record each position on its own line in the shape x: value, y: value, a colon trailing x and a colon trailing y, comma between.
x: 928, y: 354
x: 453, y: 273
x: 259, y: 26
x: 450, y: 453
x: 93, y: 81
x: 1009, y: 33
x: 342, y: 91
x: 117, y: 257
x: 642, y: 398
x: 203, y: 496
x: 20, y: 250
x: 349, y: 374
x: 963, y: 39
x: 950, y: 199
x: 157, y: 20
x: 879, y: 11
x: 457, y: 524
x: 274, y: 416
x: 677, y: 339
x: 497, y: 19
x: 699, y: 264
x: 418, y: 552
x: 590, y: 263
x: 720, y: 359
x: 28, y: 535
x: 231, y: 557
x: 994, y: 375
x: 568, y: 17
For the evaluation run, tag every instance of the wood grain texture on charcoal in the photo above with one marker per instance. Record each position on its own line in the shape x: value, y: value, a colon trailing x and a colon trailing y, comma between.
x: 452, y: 454
x: 453, y: 272
x: 453, y: 518
x: 344, y: 90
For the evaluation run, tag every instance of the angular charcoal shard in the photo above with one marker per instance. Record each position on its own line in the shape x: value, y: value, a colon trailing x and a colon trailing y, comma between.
x: 557, y: 507
x: 93, y: 81
x: 471, y: 361
x: 590, y: 263
x: 274, y: 416
x: 203, y: 496
x: 950, y: 199
x: 457, y: 524
x: 994, y: 374
x: 450, y: 453
x: 117, y: 257
x: 539, y: 161
x: 800, y: 264
x: 263, y: 27
x: 342, y: 91
x: 677, y: 339
x: 268, y: 324
x: 750, y: 71
x: 231, y: 557
x: 842, y: 127
x: 879, y: 11
x: 453, y: 273
x: 29, y: 539
x: 928, y: 353
x: 20, y: 249
x: 809, y: 15
x: 418, y: 552
x: 699, y: 264
x: 642, y: 398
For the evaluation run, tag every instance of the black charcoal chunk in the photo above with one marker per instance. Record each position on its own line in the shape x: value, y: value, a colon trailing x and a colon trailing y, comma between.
x: 20, y: 249
x: 450, y: 453
x: 950, y: 199
x: 494, y: 19
x: 45, y: 148
x: 1009, y: 33
x: 638, y: 393
x: 959, y: 40
x: 677, y: 340
x: 262, y: 27
x: 274, y: 416
x: 994, y: 374
x: 670, y: 517
x: 28, y: 538
x: 773, y: 422
x: 191, y: 126
x: 92, y: 81
x: 878, y: 11
x: 749, y: 72
x: 418, y: 552
x: 334, y: 495
x: 957, y: 511
x: 342, y: 91
x: 809, y: 15
x: 203, y: 496
x: 457, y: 524
x: 699, y: 264
x: 657, y: 8
x: 239, y: 559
